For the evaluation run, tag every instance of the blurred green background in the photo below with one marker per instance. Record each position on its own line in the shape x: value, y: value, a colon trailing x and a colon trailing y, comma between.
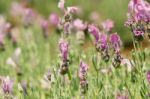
x: 113, y: 9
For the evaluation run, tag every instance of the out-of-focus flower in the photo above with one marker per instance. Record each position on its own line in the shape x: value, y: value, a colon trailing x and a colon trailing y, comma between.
x: 115, y: 41
x: 79, y: 25
x: 83, y: 75
x: 103, y: 42
x: 122, y: 97
x: 139, y: 10
x: 28, y: 17
x: 148, y: 76
x: 80, y: 36
x: 73, y: 10
x: 7, y: 85
x: 44, y: 25
x: 94, y: 31
x: 61, y: 5
x: 108, y: 25
x: 54, y: 19
x: 64, y: 49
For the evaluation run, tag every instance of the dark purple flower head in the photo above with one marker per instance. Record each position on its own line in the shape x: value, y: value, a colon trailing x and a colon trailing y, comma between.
x: 103, y: 41
x: 108, y: 25
x: 94, y: 31
x: 148, y: 76
x: 54, y: 19
x: 138, y: 33
x: 115, y: 41
x: 64, y: 47
x: 7, y: 85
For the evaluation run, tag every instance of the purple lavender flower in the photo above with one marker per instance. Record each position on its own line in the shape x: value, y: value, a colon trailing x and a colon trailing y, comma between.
x: 139, y: 10
x: 138, y: 32
x: 64, y: 47
x: 83, y: 70
x: 44, y: 25
x: 94, y: 31
x: 7, y: 85
x: 79, y: 25
x: 148, y: 76
x: 115, y: 41
x: 73, y: 10
x: 103, y: 41
x: 54, y: 19
x: 108, y: 25
x: 83, y: 75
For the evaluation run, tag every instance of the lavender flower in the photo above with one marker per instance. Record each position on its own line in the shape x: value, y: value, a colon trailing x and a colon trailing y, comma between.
x: 7, y: 85
x: 73, y: 10
x: 83, y: 75
x: 115, y: 41
x: 103, y: 42
x: 139, y: 10
x: 108, y: 25
x: 54, y: 19
x: 94, y: 31
x: 148, y: 76
x: 79, y: 25
x: 64, y: 47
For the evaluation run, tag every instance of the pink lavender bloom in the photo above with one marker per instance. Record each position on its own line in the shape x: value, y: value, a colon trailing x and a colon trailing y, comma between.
x: 7, y: 85
x: 103, y: 41
x: 108, y: 25
x: 94, y: 31
x: 79, y: 25
x: 54, y: 19
x: 139, y: 10
x: 138, y: 32
x: 148, y: 76
x: 73, y: 10
x: 83, y: 70
x: 64, y: 47
x: 82, y: 75
x: 122, y: 97
x: 61, y: 5
x: 115, y: 41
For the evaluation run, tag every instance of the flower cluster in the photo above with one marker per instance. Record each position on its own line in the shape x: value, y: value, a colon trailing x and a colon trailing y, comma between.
x: 82, y: 76
x: 138, y: 18
x: 64, y: 49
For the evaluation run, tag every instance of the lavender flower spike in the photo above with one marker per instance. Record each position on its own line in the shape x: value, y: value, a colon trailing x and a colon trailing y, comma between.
x: 115, y: 41
x: 7, y: 85
x: 64, y: 47
x: 83, y: 75
x: 94, y: 31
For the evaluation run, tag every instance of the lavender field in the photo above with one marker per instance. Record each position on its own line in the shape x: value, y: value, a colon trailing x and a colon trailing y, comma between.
x: 74, y: 49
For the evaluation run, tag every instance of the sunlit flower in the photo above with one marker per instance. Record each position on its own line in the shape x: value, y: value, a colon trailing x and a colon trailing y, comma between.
x: 61, y: 5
